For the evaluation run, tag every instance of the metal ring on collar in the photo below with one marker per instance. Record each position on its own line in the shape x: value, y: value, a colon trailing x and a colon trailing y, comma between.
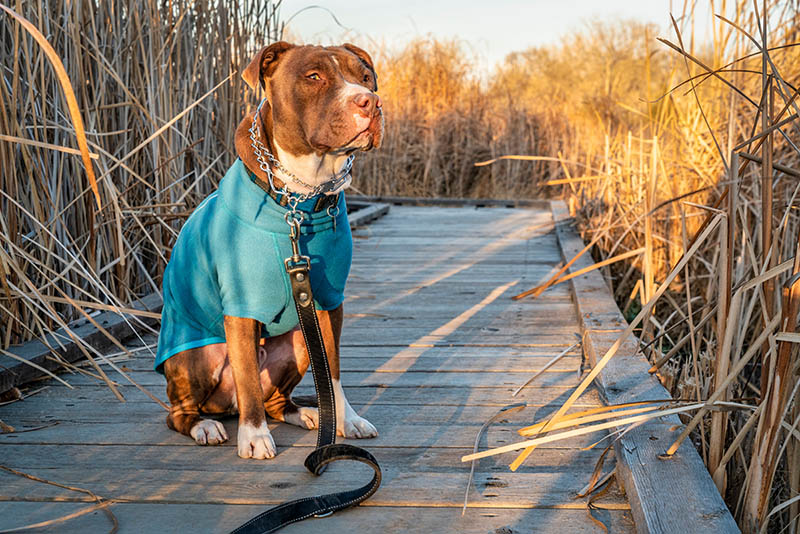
x: 293, y: 216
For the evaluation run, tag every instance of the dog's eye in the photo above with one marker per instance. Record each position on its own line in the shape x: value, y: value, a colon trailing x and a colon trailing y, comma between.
x: 366, y: 78
x: 313, y: 76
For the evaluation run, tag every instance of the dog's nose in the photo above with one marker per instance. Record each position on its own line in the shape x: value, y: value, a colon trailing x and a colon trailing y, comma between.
x: 366, y: 103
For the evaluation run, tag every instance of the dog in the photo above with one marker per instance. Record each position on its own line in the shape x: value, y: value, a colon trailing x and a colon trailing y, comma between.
x: 229, y: 340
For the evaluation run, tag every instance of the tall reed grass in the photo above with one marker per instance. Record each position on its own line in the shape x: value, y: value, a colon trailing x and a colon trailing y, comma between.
x: 157, y: 87
x: 725, y: 330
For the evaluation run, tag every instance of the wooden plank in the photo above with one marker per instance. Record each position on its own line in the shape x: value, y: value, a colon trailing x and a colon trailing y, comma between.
x: 443, y: 278
x: 455, y: 234
x: 141, y: 352
x: 290, y: 460
x: 365, y: 212
x: 476, y: 336
x: 397, y: 255
x: 455, y: 202
x: 505, y: 315
x: 518, y: 246
x: 378, y: 396
x: 41, y: 410
x: 399, y: 487
x: 14, y: 373
x: 409, y: 221
x: 361, y: 278
x: 499, y: 353
x: 154, y: 430
x: 373, y: 300
x: 465, y: 334
x: 509, y: 226
x: 667, y: 496
x: 374, y: 303
x: 168, y: 518
x: 437, y: 230
x: 561, y: 379
x: 497, y: 322
x: 399, y: 362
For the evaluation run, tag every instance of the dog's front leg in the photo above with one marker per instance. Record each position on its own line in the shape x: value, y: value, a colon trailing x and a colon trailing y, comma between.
x: 242, y: 337
x: 348, y: 423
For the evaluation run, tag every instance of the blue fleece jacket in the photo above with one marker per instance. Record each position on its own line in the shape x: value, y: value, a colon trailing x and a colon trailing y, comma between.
x: 228, y: 260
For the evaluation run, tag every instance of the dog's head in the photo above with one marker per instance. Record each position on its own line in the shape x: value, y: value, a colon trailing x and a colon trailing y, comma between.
x: 322, y: 99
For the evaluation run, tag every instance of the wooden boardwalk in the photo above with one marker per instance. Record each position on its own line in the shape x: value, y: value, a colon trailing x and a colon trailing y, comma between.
x: 432, y: 348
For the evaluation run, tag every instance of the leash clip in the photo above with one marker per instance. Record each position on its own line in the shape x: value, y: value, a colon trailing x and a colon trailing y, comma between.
x: 293, y: 219
x: 326, y: 514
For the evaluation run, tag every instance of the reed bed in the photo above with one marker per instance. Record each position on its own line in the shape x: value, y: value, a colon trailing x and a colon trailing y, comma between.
x: 698, y: 196
x: 156, y: 86
x: 724, y: 329
x: 667, y: 153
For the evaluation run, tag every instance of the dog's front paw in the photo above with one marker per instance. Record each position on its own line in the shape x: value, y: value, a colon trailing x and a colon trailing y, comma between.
x: 208, y: 432
x: 304, y: 418
x: 355, y: 426
x: 255, y: 441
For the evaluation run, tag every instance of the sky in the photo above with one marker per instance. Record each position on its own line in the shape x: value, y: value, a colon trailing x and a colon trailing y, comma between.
x: 491, y: 28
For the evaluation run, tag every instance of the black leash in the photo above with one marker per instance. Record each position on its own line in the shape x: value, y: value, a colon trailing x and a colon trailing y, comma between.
x: 327, y: 451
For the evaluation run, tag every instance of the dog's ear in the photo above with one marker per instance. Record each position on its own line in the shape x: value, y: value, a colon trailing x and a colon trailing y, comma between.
x: 263, y: 64
x: 364, y: 57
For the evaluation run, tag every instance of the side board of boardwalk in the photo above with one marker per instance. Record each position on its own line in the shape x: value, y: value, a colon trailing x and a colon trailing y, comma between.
x: 432, y: 348
x: 667, y: 495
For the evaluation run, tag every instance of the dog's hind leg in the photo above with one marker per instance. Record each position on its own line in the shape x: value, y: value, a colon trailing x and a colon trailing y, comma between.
x: 188, y: 386
x: 283, y: 362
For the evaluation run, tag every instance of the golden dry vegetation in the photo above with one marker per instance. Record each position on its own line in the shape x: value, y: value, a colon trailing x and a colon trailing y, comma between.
x: 652, y: 143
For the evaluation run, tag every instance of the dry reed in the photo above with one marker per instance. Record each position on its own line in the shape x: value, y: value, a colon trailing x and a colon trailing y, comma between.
x: 156, y: 87
x: 704, y: 180
x: 155, y: 84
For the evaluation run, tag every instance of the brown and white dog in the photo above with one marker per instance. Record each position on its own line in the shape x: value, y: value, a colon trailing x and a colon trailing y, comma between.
x: 320, y: 107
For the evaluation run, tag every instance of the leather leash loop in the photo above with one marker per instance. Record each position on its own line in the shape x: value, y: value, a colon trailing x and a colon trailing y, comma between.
x: 327, y: 450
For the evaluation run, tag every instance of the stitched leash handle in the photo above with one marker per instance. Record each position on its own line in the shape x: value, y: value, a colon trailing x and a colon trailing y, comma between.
x: 327, y: 450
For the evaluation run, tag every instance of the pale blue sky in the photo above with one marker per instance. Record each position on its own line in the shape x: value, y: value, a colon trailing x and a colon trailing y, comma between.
x: 492, y: 28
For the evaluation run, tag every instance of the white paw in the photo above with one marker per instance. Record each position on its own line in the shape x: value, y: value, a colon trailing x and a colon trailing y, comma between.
x: 355, y: 426
x: 255, y: 441
x: 209, y: 432
x: 303, y: 417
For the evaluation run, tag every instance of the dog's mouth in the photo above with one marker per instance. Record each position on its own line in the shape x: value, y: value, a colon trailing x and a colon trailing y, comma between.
x: 364, y: 138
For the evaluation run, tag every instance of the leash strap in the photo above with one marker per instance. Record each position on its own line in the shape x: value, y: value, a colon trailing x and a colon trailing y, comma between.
x: 327, y: 449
